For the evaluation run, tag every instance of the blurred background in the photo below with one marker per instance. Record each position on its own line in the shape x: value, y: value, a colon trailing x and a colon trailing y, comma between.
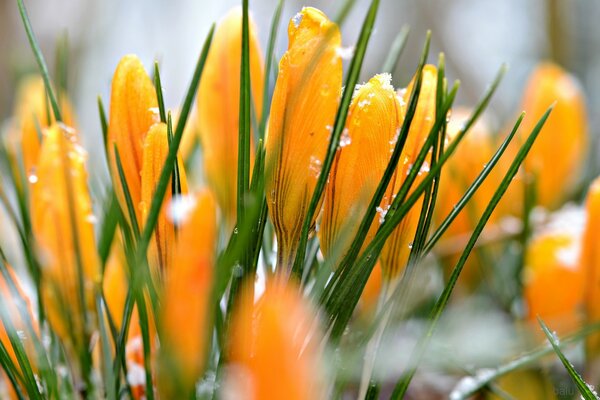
x: 477, y: 36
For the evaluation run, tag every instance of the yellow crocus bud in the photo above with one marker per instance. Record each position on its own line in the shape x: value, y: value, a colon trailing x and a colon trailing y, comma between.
x: 133, y: 110
x: 33, y: 115
x: 219, y: 104
x: 186, y: 301
x: 557, y: 156
x: 115, y: 282
x: 278, y: 333
x: 396, y: 250
x: 155, y: 149
x: 590, y: 263
x: 553, y: 279
x: 373, y: 121
x: 62, y: 221
x: 303, y: 110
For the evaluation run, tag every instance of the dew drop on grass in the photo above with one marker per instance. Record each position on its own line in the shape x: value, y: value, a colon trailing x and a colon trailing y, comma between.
x: 345, y: 140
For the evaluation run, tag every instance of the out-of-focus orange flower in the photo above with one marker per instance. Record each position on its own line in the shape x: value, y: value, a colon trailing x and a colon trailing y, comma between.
x: 218, y: 107
x: 373, y: 121
x: 62, y: 221
x: 559, y: 152
x: 553, y: 279
x: 397, y: 248
x: 185, y: 310
x: 133, y: 110
x: 33, y: 115
x: 115, y: 282
x: 590, y: 263
x: 156, y: 147
x: 304, y: 104
x: 277, y: 335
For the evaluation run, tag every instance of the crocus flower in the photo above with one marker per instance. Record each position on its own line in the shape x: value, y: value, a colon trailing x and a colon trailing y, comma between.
x: 394, y: 254
x: 218, y: 107
x: 590, y: 263
x: 558, y: 153
x: 553, y: 279
x: 62, y: 221
x: 277, y: 335
x: 133, y: 110
x: 155, y: 149
x: 303, y: 109
x: 33, y: 115
x: 185, y: 308
x: 373, y: 121
x: 115, y: 281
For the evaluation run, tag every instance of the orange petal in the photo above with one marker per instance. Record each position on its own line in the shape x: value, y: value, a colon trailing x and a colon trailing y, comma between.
x: 218, y: 107
x: 61, y: 203
x: 278, y: 333
x: 303, y: 110
x: 116, y: 281
x: 373, y: 121
x: 558, y: 154
x: 133, y: 110
x: 156, y: 147
x: 590, y: 263
x: 186, y: 299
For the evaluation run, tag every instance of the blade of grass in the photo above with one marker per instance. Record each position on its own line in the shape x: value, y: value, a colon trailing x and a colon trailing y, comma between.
x: 442, y: 301
x: 108, y: 228
x: 109, y: 378
x: 344, y: 11
x: 62, y: 63
x: 104, y: 126
x: 11, y: 371
x: 128, y: 200
x: 243, y: 171
x: 37, y: 52
x: 396, y: 50
x: 340, y: 121
x: 159, y: 93
x: 586, y: 391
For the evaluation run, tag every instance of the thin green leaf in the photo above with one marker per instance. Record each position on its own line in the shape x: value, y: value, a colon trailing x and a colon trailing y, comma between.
x: 108, y: 227
x: 396, y: 50
x: 104, y: 126
x: 338, y: 127
x: 62, y: 63
x: 344, y: 11
x: 128, y: 200
x: 159, y: 93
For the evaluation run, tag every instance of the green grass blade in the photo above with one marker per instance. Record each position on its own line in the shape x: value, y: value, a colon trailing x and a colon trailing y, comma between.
x: 344, y: 11
x: 396, y: 50
x: 586, y: 391
x: 159, y: 93
x: 144, y: 325
x: 128, y: 200
x: 108, y: 228
x: 268, y: 68
x: 243, y: 172
x: 445, y: 296
x: 104, y: 126
x: 109, y: 378
x: 37, y: 52
x: 338, y: 127
x: 62, y: 63
x: 11, y: 371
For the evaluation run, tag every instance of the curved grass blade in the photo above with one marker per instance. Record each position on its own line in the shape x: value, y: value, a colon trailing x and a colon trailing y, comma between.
x: 104, y: 126
x: 268, y: 68
x: 396, y: 50
x: 108, y: 228
x: 159, y: 93
x: 39, y: 57
x: 442, y: 301
x: 109, y: 378
x: 340, y: 121
x: 11, y: 371
x: 62, y: 63
x: 128, y: 200
x: 586, y: 391
x: 344, y: 11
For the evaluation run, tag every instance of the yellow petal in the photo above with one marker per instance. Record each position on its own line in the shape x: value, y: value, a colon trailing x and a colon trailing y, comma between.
x: 156, y: 147
x: 116, y: 281
x: 133, y: 110
x: 373, y: 121
x: 302, y: 112
x: 62, y: 221
x: 187, y: 293
x: 218, y: 107
x: 590, y: 263
x: 278, y: 333
x: 396, y: 250
x: 558, y: 154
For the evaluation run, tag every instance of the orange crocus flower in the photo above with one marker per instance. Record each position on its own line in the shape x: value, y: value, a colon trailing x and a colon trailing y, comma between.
x: 218, y: 107
x: 590, y: 263
x: 62, y: 221
x: 396, y: 250
x: 277, y: 334
x: 304, y: 104
x: 558, y: 154
x: 186, y: 300
x: 116, y: 281
x: 373, y: 121
x: 133, y: 110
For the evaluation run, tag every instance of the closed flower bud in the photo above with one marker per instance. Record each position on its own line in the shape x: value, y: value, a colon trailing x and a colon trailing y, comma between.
x: 553, y: 279
x: 218, y: 107
x: 62, y: 221
x: 590, y: 263
x: 185, y: 309
x: 133, y: 110
x: 278, y: 335
x: 303, y: 110
x: 396, y: 250
x: 33, y: 115
x: 373, y: 121
x: 558, y: 154
x: 155, y: 149
x: 115, y: 282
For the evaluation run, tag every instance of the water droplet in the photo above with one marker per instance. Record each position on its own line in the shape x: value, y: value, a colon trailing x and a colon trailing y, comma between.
x: 345, y: 53
x: 180, y: 208
x: 237, y: 271
x: 325, y: 90
x: 410, y: 245
x: 315, y: 166
x: 364, y: 103
x: 155, y: 114
x: 345, y: 139
x: 32, y: 178
x: 297, y: 19
x: 91, y: 218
